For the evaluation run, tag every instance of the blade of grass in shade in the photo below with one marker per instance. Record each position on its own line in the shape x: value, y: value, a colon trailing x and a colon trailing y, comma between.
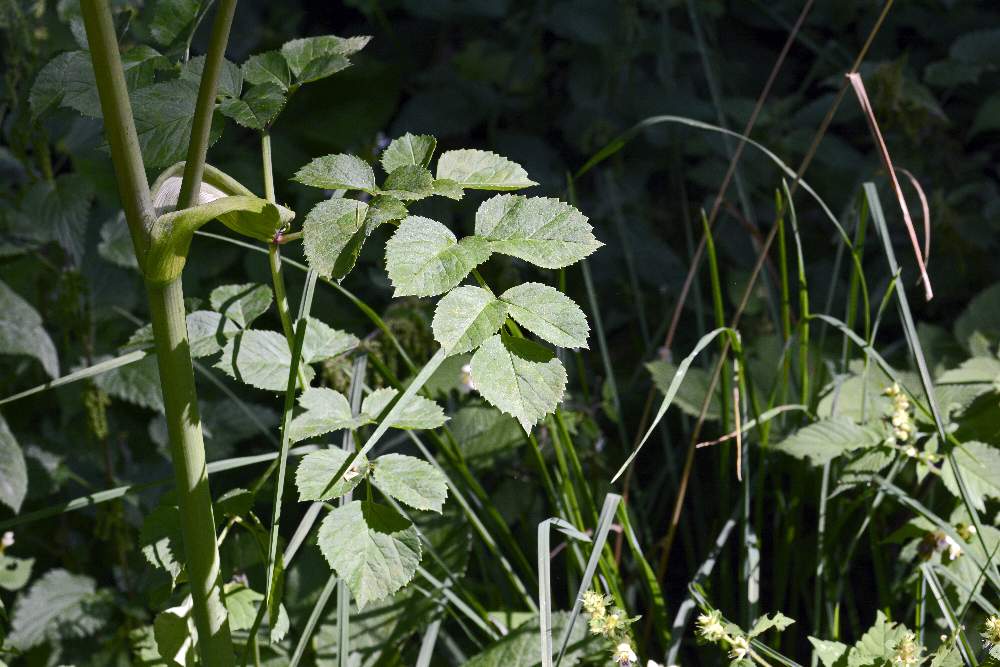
x: 916, y: 350
x: 968, y: 655
x: 545, y: 580
x: 633, y: 277
x: 786, y: 299
x: 803, y: 300
x: 611, y: 502
x: 720, y: 321
x: 82, y: 374
x: 651, y: 585
x: 971, y: 595
x: 427, y: 644
x: 313, y: 620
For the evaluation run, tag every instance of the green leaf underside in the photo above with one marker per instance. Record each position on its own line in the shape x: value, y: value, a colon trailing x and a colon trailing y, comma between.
x: 241, y: 303
x: 543, y: 231
x: 521, y: 378
x: 137, y: 383
x: 482, y: 170
x: 260, y: 359
x: 409, y: 149
x: 371, y: 547
x: 323, y: 342
x: 384, y: 208
x: 411, y: 481
x: 334, y: 231
x: 827, y: 439
x: 59, y: 604
x: 338, y: 172
x: 419, y: 413
x: 315, y: 475
x: 423, y: 257
x: 777, y: 621
x: 171, y: 17
x: 547, y: 313
x: 466, y: 317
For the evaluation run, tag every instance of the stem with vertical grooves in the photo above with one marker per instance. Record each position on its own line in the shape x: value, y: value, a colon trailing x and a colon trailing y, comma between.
x: 166, y: 305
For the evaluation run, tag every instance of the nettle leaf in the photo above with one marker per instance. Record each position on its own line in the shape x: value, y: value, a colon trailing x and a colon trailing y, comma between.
x: 979, y: 464
x: 324, y: 410
x: 520, y: 377
x: 409, y: 182
x: 66, y: 80
x: 258, y: 108
x: 830, y: 654
x: 230, y: 76
x: 323, y: 342
x: 268, y: 67
x: 465, y: 317
x: 21, y: 331
x: 482, y: 170
x: 544, y: 231
x: 315, y: 475
x: 60, y: 605
x: 423, y: 257
x: 241, y: 603
x: 241, y: 303
x: 333, y: 233
x: 827, y: 439
x: 371, y: 547
x: 161, y: 542
x: 260, y: 359
x: 207, y: 333
x: 13, y: 471
x: 171, y: 17
x: 777, y: 620
x: 547, y: 313
x: 409, y: 149
x: 411, y: 481
x: 59, y: 211
x: 338, y: 171
x: 418, y: 413
x: 878, y: 645
x: 137, y: 383
x: 164, y: 113
x: 314, y: 58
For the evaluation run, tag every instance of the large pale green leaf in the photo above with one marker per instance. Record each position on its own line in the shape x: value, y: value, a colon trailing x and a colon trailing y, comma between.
x: 260, y: 359
x: 58, y: 211
x: 323, y: 342
x: 521, y: 378
x: 979, y: 464
x: 315, y: 475
x: 207, y: 333
x: 66, y: 80
x: 418, y: 413
x: 21, y: 331
x: 314, y: 58
x: 411, y: 481
x: 333, y: 233
x: 547, y: 313
x: 324, y: 410
x: 423, y: 257
x: 465, y: 317
x: 830, y: 654
x: 137, y: 383
x: 258, y: 108
x: 338, y: 171
x: 241, y: 303
x: 171, y: 17
x: 164, y: 113
x: 59, y: 605
x: 409, y: 149
x: 371, y: 547
x: 541, y: 230
x: 482, y: 170
x: 13, y: 471
x: 827, y: 439
x: 268, y: 67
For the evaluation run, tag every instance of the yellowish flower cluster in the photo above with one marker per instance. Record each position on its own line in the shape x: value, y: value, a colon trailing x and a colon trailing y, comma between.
x: 991, y: 631
x: 902, y: 423
x: 907, y: 651
x: 612, y: 624
x: 711, y: 630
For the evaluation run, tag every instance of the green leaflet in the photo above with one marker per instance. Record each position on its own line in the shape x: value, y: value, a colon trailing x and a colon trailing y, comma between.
x: 465, y: 317
x: 207, y: 333
x: 315, y: 475
x: 241, y: 603
x: 980, y: 466
x: 484, y: 433
x: 418, y: 413
x: 547, y: 313
x: 313, y: 58
x: 777, y: 621
x: 137, y: 383
x: 521, y: 378
x: 409, y: 149
x: 258, y: 108
x: 22, y: 333
x: 371, y: 547
x: 13, y: 471
x: 260, y: 359
x: 423, y: 257
x: 58, y: 605
x: 230, y: 76
x: 241, y: 303
x: 323, y: 342
x: 827, y: 439
x: 482, y: 170
x: 333, y: 233
x: 409, y: 182
x: 161, y: 542
x: 544, y: 231
x: 164, y: 113
x: 338, y: 172
x: 324, y: 410
x: 411, y: 481
x: 171, y: 17
x: 268, y: 67
x: 175, y: 634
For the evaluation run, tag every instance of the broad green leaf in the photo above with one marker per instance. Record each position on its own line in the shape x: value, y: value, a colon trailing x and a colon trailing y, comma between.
x: 409, y: 149
x: 323, y: 342
x: 985, y: 370
x: 371, y: 547
x: 315, y: 475
x: 338, y: 171
x: 777, y: 621
x: 482, y: 170
x: 59, y: 211
x: 419, y: 413
x: 445, y: 187
x: 544, y: 231
x: 410, y: 481
x: 483, y: 433
x: 258, y: 108
x: 383, y: 208
x: 21, y: 331
x: 230, y: 76
x: 241, y: 603
x: 171, y: 17
x: 207, y: 333
x: 324, y: 410
x: 877, y: 646
x: 13, y: 471
x: 312, y: 58
x: 176, y: 635
x: 830, y: 654
x: 66, y: 80
x: 116, y: 243
x: 409, y: 182
x: 137, y: 383
x: 241, y: 303
x: 547, y: 313
x: 164, y: 113
x: 260, y: 359
x: 827, y: 439
x: 423, y: 257
x: 161, y: 542
x: 333, y: 233
x: 14, y: 572
x: 465, y: 317
x: 59, y: 605
x: 268, y: 67
x: 693, y: 388
x: 521, y: 648
x: 521, y: 378
x: 979, y: 464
